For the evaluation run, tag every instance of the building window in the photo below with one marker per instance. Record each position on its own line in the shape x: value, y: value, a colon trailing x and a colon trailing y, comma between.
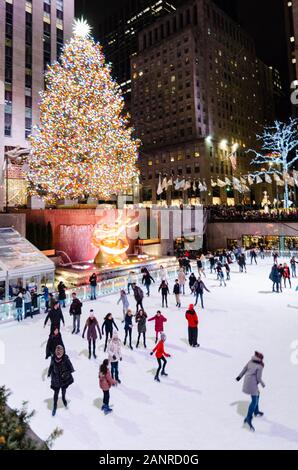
x: 8, y: 67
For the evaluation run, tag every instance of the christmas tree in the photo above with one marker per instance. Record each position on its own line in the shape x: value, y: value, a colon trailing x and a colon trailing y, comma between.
x: 84, y: 145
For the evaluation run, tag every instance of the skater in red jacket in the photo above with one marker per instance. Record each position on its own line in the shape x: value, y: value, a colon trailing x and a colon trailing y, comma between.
x: 159, y: 321
x: 160, y: 355
x: 193, y: 322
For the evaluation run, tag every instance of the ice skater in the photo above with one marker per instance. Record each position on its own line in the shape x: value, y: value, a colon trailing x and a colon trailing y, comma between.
x: 61, y: 294
x: 199, y: 288
x: 91, y: 326
x: 141, y: 320
x: 164, y: 288
x: 114, y: 353
x: 139, y: 296
x: 252, y: 373
x: 191, y: 282
x: 182, y: 280
x: 221, y: 276
x: 55, y: 316
x: 125, y: 303
x: 93, y: 286
x: 160, y: 355
x: 147, y: 281
x: 105, y: 383
x: 75, y: 310
x: 60, y: 371
x: 286, y: 275
x: 128, y: 327
x: 55, y: 339
x: 159, y: 322
x: 19, y: 306
x: 107, y: 327
x: 193, y: 322
x: 176, y: 292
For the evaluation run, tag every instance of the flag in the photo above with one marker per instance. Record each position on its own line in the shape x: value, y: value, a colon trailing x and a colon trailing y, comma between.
x: 250, y: 180
x: 194, y: 186
x: 164, y: 184
x: 200, y: 186
x: 205, y: 186
x: 291, y: 181
x: 243, y: 180
x: 227, y: 180
x: 280, y: 182
x: 258, y: 179
x: 170, y: 182
x: 276, y: 177
x: 286, y: 176
x: 295, y: 174
x: 159, y: 187
x: 182, y: 184
x: 187, y: 185
x: 233, y: 160
x: 213, y: 184
x: 268, y: 178
x: 177, y: 184
x: 220, y: 183
x: 235, y: 180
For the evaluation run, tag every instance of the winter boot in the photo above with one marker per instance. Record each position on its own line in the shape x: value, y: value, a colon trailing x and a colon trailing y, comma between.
x: 259, y: 414
x: 107, y: 410
x: 163, y: 373
x: 54, y: 411
x: 89, y: 355
x: 156, y: 378
x: 73, y: 331
x: 64, y: 402
x: 248, y: 421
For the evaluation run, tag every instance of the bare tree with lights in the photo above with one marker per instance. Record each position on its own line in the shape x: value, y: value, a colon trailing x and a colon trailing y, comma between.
x: 278, y: 143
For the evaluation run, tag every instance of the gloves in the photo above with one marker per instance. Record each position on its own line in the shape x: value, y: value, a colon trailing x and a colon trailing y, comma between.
x: 120, y: 358
x: 169, y: 355
x: 237, y: 378
x: 114, y: 357
x: 151, y: 353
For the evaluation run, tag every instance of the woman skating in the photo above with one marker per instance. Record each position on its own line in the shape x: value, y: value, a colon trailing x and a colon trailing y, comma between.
x: 91, y: 326
x: 60, y: 371
x: 160, y: 355
x: 191, y: 281
x: 105, y: 383
x: 193, y: 321
x: 252, y: 373
x: 176, y: 292
x: 182, y: 280
x: 164, y: 288
x: 128, y: 327
x: 125, y: 303
x: 114, y: 352
x: 286, y: 275
x: 141, y: 320
x: 107, y: 326
x: 159, y: 321
x: 147, y: 279
x: 55, y: 339
x: 199, y: 288
x: 61, y: 294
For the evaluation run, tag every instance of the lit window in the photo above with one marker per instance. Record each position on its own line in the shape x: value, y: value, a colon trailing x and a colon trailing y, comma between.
x: 292, y: 39
x: 150, y: 163
x: 290, y: 4
x: 294, y: 61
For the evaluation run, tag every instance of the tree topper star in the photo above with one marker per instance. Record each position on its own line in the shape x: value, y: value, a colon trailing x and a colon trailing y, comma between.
x: 81, y: 28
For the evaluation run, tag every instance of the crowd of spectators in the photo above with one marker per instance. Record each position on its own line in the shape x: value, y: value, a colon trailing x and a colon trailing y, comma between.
x: 248, y: 213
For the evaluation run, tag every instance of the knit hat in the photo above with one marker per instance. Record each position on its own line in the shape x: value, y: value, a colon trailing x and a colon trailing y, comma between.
x: 191, y: 306
x: 163, y: 337
x: 59, y: 351
x: 259, y: 355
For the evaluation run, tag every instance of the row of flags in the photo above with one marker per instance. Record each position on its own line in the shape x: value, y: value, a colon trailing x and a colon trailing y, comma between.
x: 241, y: 184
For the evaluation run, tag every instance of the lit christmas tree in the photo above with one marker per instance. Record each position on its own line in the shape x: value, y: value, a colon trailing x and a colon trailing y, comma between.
x: 84, y: 145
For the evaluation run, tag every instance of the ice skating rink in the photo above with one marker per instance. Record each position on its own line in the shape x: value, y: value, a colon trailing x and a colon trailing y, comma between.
x: 199, y: 405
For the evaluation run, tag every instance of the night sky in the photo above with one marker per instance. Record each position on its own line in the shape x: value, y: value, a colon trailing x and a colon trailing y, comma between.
x: 260, y: 18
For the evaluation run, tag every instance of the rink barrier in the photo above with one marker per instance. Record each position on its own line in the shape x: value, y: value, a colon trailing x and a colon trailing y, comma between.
x: 104, y: 288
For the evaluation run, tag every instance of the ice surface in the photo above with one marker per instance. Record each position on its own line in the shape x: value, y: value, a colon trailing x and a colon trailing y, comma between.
x: 199, y: 405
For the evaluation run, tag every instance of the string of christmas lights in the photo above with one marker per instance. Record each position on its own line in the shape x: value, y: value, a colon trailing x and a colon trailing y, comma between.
x: 84, y: 145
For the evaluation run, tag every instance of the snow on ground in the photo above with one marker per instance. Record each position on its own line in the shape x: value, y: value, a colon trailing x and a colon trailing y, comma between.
x: 199, y: 405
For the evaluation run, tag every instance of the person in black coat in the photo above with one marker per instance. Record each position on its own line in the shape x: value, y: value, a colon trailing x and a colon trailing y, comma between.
x: 192, y: 280
x: 128, y: 327
x: 138, y: 295
x: 176, y: 291
x: 164, y: 293
x: 108, y: 327
x: 55, y: 316
x: 75, y: 310
x: 199, y: 288
x: 147, y: 279
x: 61, y: 294
x: 55, y: 339
x: 60, y: 371
x: 93, y: 284
x: 141, y: 319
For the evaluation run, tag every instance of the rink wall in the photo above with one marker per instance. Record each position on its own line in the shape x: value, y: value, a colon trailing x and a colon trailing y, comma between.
x: 219, y: 232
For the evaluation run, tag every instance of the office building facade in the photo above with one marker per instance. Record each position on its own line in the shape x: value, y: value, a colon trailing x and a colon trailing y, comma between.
x: 199, y: 95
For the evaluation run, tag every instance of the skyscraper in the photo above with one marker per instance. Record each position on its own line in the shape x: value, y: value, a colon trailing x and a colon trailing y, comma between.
x: 199, y: 95
x: 118, y: 33
x: 32, y: 33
